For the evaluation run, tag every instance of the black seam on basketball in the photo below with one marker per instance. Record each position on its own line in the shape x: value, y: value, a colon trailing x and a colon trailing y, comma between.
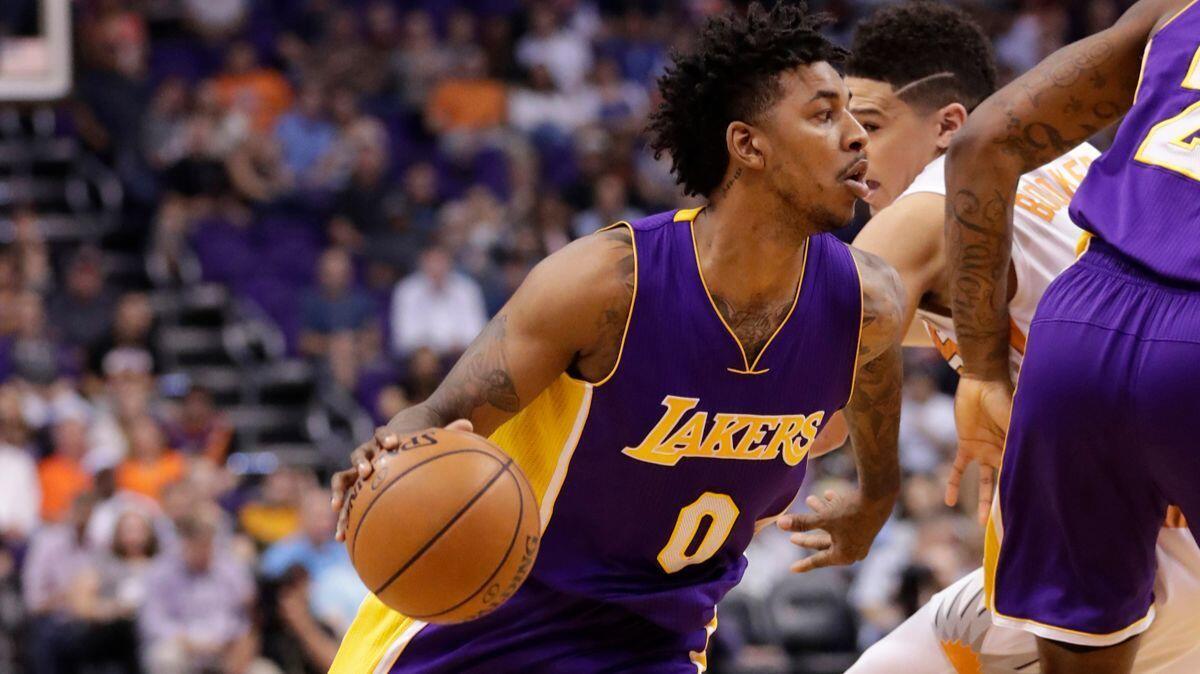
x: 446, y: 527
x: 396, y: 478
x: 512, y: 543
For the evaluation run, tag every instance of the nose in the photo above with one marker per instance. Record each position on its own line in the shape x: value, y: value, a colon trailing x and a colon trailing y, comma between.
x: 854, y: 136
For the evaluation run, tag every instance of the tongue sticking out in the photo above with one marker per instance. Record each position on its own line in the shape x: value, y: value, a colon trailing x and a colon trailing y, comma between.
x: 858, y: 188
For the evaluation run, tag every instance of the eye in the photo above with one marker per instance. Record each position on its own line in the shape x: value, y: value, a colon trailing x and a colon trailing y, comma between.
x: 870, y: 128
x: 825, y: 116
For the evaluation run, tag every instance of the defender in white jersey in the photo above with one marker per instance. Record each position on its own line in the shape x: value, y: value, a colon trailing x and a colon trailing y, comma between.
x: 915, y: 71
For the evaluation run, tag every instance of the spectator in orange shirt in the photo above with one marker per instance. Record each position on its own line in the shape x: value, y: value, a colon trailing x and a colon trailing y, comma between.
x: 62, y: 475
x: 262, y: 93
x: 151, y: 465
x: 467, y: 101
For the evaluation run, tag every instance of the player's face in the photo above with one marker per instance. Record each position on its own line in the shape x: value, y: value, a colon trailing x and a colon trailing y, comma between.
x: 903, y: 140
x: 815, y: 156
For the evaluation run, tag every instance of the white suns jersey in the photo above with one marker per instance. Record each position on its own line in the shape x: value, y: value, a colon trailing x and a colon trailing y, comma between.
x: 1044, y: 242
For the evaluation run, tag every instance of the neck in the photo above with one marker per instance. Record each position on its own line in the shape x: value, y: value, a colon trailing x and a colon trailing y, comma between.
x: 748, y: 250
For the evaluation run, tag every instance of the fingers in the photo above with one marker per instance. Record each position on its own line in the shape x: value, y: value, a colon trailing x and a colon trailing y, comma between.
x: 821, y: 507
x: 385, y: 439
x: 815, y: 540
x: 956, y: 474
x: 987, y: 490
x: 815, y: 561
x: 461, y: 425
x: 342, y: 482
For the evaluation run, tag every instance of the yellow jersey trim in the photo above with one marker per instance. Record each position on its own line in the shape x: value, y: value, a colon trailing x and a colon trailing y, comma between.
x: 700, y: 658
x: 1174, y: 16
x: 862, y: 316
x: 632, y: 303
x: 687, y: 214
x: 750, y: 368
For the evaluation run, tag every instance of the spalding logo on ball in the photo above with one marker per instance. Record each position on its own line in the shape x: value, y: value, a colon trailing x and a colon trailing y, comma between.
x: 446, y: 529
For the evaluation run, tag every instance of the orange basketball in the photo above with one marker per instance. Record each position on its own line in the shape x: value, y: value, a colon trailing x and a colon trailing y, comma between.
x: 446, y: 528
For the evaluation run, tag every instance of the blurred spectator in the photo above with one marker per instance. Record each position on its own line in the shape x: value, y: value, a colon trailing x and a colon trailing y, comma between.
x: 274, y: 513
x: 151, y: 465
x: 436, y: 307
x: 261, y: 92
x: 132, y: 333
x: 19, y: 497
x: 107, y: 593
x: 258, y: 172
x: 368, y: 200
x: 57, y: 554
x: 621, y: 104
x: 165, y: 125
x: 196, y: 617
x: 112, y: 504
x: 317, y: 643
x: 306, y: 137
x: 335, y: 305
x: 425, y: 372
x: 33, y: 354
x: 420, y: 63
x: 567, y: 57
x: 546, y: 112
x: 33, y: 256
x: 926, y: 424
x: 466, y: 101
x: 637, y: 51
x: 215, y: 19
x: 346, y: 58
x: 552, y: 223
x: 61, y: 475
x: 610, y: 204
x: 390, y: 401
x: 201, y: 430
x: 84, y: 311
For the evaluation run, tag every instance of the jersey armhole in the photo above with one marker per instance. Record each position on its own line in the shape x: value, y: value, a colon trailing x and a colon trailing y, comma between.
x: 862, y: 314
x: 632, y: 304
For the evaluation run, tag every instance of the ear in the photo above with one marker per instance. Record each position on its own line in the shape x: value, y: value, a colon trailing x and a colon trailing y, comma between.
x: 745, y: 145
x: 950, y: 119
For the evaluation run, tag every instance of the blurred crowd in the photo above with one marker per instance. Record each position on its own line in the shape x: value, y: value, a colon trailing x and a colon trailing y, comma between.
x: 376, y: 177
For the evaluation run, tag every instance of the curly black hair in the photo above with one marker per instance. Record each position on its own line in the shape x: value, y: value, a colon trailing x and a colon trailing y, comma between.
x: 935, y: 49
x: 733, y: 74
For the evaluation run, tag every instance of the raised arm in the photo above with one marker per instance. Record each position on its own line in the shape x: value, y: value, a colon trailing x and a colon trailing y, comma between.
x: 570, y: 312
x: 1070, y: 96
x: 842, y: 526
x: 1073, y: 94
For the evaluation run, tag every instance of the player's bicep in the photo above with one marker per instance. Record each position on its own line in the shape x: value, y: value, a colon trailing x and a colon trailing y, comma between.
x: 531, y: 341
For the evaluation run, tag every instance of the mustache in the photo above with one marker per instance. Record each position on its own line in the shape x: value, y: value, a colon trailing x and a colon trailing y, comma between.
x: 851, y: 165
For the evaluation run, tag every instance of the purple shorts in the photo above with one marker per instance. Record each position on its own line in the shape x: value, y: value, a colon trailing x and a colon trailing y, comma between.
x: 541, y: 631
x: 1104, y: 436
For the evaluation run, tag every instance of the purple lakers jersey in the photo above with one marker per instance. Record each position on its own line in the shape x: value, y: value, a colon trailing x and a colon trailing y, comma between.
x: 1142, y: 196
x: 653, y: 481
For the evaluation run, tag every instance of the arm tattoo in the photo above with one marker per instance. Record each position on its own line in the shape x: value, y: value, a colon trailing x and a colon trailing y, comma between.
x: 481, y: 377
x: 873, y: 415
x: 1069, y: 97
x: 610, y: 325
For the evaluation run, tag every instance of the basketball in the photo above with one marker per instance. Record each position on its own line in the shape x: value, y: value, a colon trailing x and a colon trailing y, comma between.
x: 445, y: 529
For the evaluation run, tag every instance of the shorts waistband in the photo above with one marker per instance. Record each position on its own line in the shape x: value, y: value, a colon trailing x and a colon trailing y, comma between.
x: 1103, y: 256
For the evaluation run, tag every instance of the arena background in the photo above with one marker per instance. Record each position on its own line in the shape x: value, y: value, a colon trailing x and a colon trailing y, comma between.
x: 257, y: 228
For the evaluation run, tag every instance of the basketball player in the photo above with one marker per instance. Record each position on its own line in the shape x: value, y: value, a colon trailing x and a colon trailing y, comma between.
x: 1103, y: 433
x: 660, y: 383
x: 915, y: 72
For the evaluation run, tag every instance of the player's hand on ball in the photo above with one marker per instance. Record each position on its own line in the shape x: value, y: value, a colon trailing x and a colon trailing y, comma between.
x: 839, y: 530
x: 362, y: 464
x: 981, y: 413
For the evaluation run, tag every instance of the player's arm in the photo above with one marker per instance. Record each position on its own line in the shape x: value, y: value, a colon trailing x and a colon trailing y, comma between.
x: 571, y: 310
x: 909, y: 236
x: 1074, y: 93
x: 842, y: 526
